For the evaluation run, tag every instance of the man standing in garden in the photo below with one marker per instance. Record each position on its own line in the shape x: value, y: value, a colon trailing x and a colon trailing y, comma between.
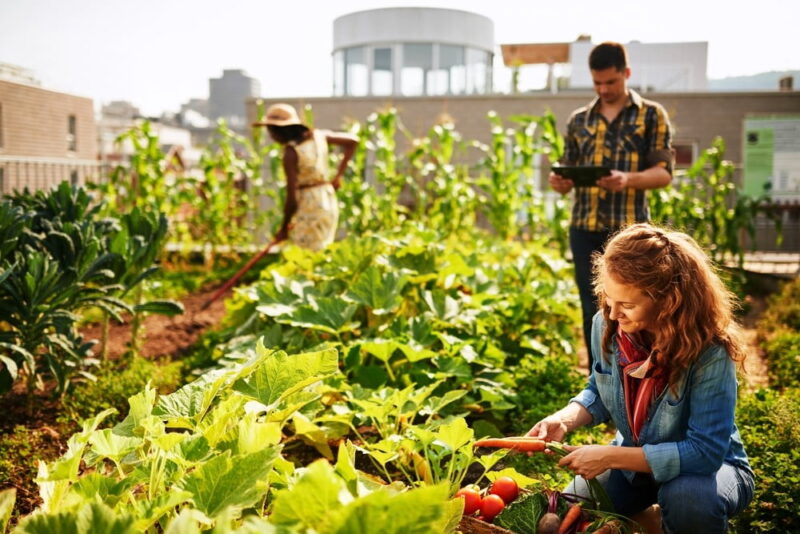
x: 627, y: 134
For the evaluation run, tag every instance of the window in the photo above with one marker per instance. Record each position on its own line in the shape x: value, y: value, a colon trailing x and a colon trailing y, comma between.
x: 72, y: 133
x: 1, y: 127
x: 338, y: 73
x: 451, y: 62
x: 356, y: 71
x: 2, y: 181
x: 416, y: 74
x: 685, y: 154
x: 382, y: 82
x: 478, y: 71
x: 74, y: 177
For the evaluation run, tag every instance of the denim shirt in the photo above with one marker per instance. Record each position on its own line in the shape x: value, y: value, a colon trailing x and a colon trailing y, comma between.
x: 688, y: 432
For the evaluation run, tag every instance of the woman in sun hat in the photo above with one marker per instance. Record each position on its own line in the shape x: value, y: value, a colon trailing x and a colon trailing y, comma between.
x: 311, y: 211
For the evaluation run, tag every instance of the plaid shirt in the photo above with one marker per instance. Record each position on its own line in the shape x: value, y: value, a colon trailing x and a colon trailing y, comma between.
x: 637, y: 139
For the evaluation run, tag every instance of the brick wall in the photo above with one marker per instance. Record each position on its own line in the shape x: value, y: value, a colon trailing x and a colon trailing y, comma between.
x: 35, y: 122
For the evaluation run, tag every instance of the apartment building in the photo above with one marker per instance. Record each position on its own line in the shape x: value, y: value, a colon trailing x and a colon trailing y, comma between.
x: 45, y: 137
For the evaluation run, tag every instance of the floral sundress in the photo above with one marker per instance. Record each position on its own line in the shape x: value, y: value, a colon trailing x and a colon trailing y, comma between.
x: 313, y: 225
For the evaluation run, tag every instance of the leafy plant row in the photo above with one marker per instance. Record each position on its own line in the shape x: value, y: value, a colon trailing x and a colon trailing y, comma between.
x: 415, y: 308
x: 769, y: 420
x: 215, y: 454
x: 58, y: 257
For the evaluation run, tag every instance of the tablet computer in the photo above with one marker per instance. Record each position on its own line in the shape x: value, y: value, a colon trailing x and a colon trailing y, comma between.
x: 582, y: 175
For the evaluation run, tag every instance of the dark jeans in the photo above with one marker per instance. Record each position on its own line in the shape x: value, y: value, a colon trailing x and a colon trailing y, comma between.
x: 583, y: 244
x: 689, y: 503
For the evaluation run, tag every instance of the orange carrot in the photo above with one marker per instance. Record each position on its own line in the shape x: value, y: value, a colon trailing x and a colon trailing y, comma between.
x: 570, y: 517
x: 518, y: 443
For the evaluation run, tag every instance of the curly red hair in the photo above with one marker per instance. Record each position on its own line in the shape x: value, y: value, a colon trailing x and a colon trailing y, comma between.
x: 695, y: 309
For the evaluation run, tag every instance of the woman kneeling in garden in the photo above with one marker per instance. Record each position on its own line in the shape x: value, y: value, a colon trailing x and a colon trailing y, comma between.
x: 663, y: 347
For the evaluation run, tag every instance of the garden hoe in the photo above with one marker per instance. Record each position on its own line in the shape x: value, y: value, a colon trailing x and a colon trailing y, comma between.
x: 235, y: 278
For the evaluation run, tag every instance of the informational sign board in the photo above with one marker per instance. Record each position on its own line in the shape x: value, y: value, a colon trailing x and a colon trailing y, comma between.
x: 772, y: 156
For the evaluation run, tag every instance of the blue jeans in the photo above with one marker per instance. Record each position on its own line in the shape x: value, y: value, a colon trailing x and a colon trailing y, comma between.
x: 689, y: 503
x: 583, y: 244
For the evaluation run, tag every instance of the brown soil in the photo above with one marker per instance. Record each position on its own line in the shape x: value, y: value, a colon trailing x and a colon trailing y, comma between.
x: 163, y: 335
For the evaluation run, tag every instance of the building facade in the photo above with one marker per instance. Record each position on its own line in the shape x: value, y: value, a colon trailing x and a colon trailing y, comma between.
x: 661, y: 67
x: 45, y: 137
x: 412, y: 52
x: 227, y: 96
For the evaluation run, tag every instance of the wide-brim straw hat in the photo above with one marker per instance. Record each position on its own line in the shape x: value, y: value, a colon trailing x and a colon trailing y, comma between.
x: 280, y: 115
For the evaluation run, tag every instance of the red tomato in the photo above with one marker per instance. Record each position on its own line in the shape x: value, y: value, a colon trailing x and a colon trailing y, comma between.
x: 491, y: 505
x: 506, y: 488
x: 472, y: 500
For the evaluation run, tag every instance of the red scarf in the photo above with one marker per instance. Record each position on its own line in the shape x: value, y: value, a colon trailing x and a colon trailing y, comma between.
x: 642, y: 380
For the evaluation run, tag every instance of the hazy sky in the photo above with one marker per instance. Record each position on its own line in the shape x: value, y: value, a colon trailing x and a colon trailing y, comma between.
x: 159, y: 53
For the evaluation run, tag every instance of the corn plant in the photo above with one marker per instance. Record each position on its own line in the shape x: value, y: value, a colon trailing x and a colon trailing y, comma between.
x: 445, y: 196
x: 383, y: 126
x: 147, y: 181
x: 358, y: 199
x: 509, y: 198
x: 225, y: 203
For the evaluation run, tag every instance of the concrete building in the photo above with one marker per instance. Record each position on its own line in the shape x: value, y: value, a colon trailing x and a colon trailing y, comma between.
x: 45, y: 137
x: 118, y: 117
x: 655, y: 67
x: 412, y: 51
x: 227, y: 96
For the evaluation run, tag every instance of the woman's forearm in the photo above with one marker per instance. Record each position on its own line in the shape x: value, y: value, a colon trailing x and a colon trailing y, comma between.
x: 628, y: 458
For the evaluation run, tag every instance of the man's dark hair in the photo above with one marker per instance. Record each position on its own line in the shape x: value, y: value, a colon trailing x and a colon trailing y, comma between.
x: 607, y: 55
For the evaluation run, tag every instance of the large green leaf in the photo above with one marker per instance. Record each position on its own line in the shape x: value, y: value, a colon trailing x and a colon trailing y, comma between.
x: 455, y: 434
x: 280, y: 375
x: 327, y: 314
x: 148, y: 512
x: 187, y: 406
x: 95, y: 485
x: 441, y: 304
x: 309, y: 502
x: 380, y: 292
x: 160, y: 307
x: 141, y: 406
x: 7, y: 499
x: 105, y: 443
x: 93, y: 518
x: 224, y: 481
x: 97, y: 518
x: 418, y: 511
x: 63, y: 523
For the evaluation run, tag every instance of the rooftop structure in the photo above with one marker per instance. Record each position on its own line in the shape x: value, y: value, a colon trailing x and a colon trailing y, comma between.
x: 410, y: 51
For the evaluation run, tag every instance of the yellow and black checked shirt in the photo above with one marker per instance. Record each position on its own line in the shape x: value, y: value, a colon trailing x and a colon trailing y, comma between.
x: 638, y: 138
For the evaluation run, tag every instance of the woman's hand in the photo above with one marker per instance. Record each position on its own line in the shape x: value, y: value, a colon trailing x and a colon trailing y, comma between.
x: 551, y: 428
x: 587, y: 461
